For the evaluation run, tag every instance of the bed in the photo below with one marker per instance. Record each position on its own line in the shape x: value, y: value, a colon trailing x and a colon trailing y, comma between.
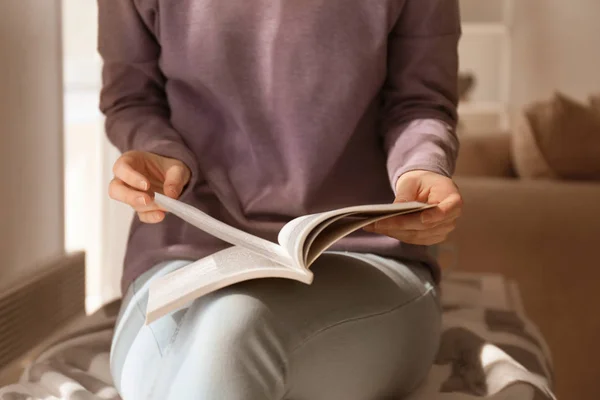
x: 489, y: 350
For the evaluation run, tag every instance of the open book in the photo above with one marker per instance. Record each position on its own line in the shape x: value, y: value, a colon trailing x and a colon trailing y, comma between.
x: 301, y: 242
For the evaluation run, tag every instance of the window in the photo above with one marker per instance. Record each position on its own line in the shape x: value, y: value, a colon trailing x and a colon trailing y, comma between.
x: 92, y: 222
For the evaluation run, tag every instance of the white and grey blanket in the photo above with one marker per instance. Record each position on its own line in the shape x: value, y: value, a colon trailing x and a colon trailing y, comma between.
x: 489, y: 350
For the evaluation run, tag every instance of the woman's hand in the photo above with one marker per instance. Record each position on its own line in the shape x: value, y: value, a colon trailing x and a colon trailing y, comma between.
x: 428, y: 227
x: 139, y: 174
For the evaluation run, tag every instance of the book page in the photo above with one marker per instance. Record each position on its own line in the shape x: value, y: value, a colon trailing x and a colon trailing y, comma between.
x: 296, y: 233
x: 221, y: 230
x: 221, y: 269
x: 315, y: 232
x: 341, y: 228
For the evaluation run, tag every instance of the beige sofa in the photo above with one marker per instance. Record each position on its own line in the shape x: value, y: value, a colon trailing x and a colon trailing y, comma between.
x: 546, y: 236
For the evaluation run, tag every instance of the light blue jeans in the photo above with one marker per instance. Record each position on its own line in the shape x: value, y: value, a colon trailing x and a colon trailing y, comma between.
x: 367, y: 328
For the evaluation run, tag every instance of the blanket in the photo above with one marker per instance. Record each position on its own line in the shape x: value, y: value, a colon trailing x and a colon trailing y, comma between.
x: 488, y: 350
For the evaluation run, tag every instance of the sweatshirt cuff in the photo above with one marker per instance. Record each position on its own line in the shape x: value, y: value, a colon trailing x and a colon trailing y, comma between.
x: 423, y: 144
x: 178, y: 151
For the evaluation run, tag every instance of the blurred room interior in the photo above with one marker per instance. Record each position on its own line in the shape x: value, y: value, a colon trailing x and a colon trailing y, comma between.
x: 530, y: 77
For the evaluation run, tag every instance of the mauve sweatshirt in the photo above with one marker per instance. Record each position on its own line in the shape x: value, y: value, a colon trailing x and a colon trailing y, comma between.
x: 280, y: 108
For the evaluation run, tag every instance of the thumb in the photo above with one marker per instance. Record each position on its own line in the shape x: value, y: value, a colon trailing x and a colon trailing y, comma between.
x: 407, y: 189
x: 176, y: 177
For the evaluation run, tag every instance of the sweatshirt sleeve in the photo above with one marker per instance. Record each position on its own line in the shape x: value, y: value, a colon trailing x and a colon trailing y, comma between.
x: 133, y: 98
x: 420, y: 95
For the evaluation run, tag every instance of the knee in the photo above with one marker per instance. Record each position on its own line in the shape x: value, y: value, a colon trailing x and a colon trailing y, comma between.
x: 227, y: 342
x: 235, y: 321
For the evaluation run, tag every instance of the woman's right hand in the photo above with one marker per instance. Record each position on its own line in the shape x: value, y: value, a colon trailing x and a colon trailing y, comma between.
x: 139, y: 174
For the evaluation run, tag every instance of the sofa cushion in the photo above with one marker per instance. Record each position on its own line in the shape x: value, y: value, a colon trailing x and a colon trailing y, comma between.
x: 485, y: 155
x: 595, y: 101
x: 558, y: 138
x: 528, y: 160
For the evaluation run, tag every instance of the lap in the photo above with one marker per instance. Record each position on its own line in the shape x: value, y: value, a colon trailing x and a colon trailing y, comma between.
x: 365, y: 321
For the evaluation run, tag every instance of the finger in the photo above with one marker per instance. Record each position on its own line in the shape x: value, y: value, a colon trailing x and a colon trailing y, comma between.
x: 430, y: 241
x: 414, y: 237
x: 410, y: 235
x: 176, y: 178
x: 410, y: 222
x: 399, y: 223
x: 407, y: 189
x: 123, y: 169
x: 440, y: 230
x: 449, y: 208
x: 151, y: 217
x: 140, y: 201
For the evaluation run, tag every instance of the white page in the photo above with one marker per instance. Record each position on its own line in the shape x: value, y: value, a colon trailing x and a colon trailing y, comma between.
x: 255, y: 257
x: 221, y: 269
x: 298, y: 231
x: 314, y: 234
x: 294, y: 234
x: 221, y: 230
x: 341, y: 228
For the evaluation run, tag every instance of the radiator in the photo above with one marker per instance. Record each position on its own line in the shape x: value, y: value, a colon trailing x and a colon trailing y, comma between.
x: 37, y: 307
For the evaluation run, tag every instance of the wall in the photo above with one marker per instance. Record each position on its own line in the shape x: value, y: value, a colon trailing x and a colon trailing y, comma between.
x: 555, y: 46
x: 31, y: 191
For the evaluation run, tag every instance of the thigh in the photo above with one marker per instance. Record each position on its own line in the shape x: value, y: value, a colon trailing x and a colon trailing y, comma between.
x: 347, y: 286
x: 137, y: 349
x: 367, y: 328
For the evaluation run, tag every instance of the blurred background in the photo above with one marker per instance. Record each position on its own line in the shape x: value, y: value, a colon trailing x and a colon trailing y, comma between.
x: 529, y: 167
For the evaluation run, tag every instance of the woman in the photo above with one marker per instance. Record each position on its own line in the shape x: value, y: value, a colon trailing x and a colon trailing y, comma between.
x: 258, y: 112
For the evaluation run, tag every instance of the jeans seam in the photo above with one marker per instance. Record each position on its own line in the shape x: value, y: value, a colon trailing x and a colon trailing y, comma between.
x: 421, y: 296
x: 416, y: 282
x: 362, y: 317
x: 139, y: 308
x: 168, y: 348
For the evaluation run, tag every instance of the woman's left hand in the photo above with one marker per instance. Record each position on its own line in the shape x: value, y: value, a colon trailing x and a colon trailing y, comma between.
x: 431, y: 226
